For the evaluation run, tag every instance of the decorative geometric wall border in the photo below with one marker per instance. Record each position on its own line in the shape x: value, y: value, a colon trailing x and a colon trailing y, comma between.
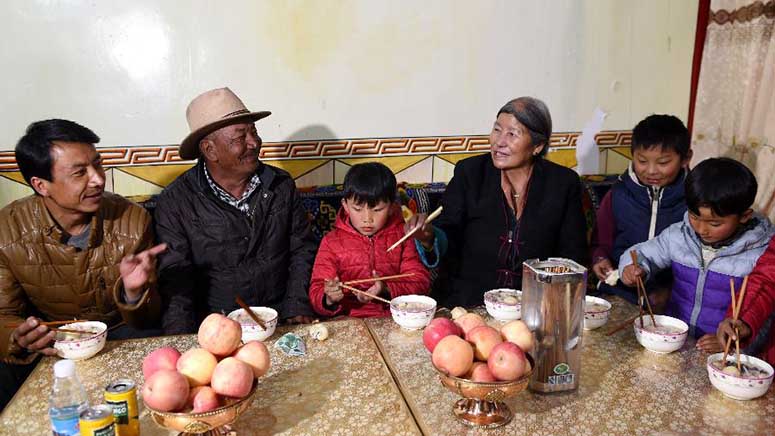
x: 165, y: 154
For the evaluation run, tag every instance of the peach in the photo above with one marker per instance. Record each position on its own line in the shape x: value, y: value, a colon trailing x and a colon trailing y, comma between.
x: 479, y: 372
x: 256, y: 355
x: 219, y: 334
x: 197, y: 364
x: 518, y: 333
x: 507, y: 361
x: 232, y: 378
x: 469, y: 321
x: 166, y: 390
x: 484, y: 338
x: 160, y: 358
x: 203, y: 399
x: 453, y: 355
x: 437, y: 330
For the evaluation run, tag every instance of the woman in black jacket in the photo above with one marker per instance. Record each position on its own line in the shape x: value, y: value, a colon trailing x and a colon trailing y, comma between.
x: 502, y: 209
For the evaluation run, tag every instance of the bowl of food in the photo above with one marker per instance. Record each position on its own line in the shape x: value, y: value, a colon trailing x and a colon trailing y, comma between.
x: 504, y: 304
x: 753, y: 382
x: 412, y: 312
x: 482, y: 405
x: 596, y: 312
x: 668, y: 335
x: 252, y: 331
x: 77, y: 346
x: 212, y: 422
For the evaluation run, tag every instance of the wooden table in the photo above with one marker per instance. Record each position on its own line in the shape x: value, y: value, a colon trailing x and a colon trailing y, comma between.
x: 340, y: 387
x: 624, y: 390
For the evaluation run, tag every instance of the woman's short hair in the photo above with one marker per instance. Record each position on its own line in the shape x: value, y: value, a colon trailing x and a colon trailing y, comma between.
x: 534, y: 115
x: 33, y: 151
x: 724, y: 185
x: 370, y: 183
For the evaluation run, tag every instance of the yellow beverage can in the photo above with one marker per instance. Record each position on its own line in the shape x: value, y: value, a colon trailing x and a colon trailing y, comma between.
x: 97, y: 421
x: 121, y: 395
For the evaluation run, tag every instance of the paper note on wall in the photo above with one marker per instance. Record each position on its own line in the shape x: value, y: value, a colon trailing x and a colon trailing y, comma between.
x: 587, y: 152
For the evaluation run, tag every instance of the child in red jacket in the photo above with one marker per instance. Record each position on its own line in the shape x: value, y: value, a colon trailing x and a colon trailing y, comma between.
x: 758, y: 305
x: 368, y: 222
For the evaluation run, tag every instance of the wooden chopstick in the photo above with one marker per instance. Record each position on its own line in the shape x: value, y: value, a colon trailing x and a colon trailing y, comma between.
x: 642, y: 292
x: 365, y: 294
x: 47, y: 324
x: 374, y: 279
x: 251, y: 313
x: 735, y: 314
x: 83, y: 332
x: 621, y: 326
x: 430, y: 218
x: 734, y: 317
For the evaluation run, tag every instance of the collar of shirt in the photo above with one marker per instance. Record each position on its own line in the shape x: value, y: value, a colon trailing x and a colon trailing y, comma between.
x: 240, y: 203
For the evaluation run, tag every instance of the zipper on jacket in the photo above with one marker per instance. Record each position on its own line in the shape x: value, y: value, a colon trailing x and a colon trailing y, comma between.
x: 655, y: 192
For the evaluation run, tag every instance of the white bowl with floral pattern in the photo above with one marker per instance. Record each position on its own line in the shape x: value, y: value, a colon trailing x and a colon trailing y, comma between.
x: 252, y: 331
x: 412, y: 312
x: 596, y: 312
x: 504, y: 304
x: 668, y: 336
x: 740, y: 387
x: 75, y: 346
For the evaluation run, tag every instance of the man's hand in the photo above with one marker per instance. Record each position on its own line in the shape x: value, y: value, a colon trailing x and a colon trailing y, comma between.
x: 727, y: 329
x: 631, y: 273
x: 34, y: 337
x: 710, y: 344
x: 601, y: 268
x: 333, y: 291
x: 425, y: 233
x: 136, y: 269
x: 301, y: 319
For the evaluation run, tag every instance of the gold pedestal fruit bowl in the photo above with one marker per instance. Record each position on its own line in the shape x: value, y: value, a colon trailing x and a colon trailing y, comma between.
x: 212, y: 423
x: 482, y: 404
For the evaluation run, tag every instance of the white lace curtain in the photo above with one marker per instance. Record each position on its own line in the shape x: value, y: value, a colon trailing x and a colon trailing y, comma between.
x: 735, y: 106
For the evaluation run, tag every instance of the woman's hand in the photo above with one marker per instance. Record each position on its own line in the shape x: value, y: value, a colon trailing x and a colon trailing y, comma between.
x: 631, y: 273
x: 601, y: 268
x: 425, y: 233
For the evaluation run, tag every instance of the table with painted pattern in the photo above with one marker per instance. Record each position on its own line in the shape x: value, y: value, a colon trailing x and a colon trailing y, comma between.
x: 624, y: 390
x: 340, y: 387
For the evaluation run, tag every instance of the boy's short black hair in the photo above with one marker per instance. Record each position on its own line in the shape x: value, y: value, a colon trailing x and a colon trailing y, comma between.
x: 724, y: 185
x: 33, y: 151
x: 370, y: 183
x: 665, y: 131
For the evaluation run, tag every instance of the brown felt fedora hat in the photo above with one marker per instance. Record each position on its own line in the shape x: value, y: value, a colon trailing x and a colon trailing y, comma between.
x: 211, y: 111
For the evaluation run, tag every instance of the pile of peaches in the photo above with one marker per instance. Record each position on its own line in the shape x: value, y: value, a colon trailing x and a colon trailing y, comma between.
x: 203, y: 378
x: 468, y: 348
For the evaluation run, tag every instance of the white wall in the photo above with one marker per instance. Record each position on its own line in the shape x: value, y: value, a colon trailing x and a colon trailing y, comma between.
x: 346, y: 68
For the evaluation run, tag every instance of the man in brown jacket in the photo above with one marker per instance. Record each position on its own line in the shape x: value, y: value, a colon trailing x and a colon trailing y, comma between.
x: 69, y: 251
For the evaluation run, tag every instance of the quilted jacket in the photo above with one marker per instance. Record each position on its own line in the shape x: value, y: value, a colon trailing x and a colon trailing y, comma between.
x: 41, y: 276
x: 346, y: 253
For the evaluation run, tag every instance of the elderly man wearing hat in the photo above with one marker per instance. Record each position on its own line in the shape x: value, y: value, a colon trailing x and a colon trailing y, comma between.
x: 234, y: 226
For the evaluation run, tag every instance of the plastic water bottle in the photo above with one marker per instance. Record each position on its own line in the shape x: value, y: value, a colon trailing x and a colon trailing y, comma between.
x: 67, y: 401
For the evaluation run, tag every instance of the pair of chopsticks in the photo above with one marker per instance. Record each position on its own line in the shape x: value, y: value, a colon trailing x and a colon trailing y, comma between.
x: 430, y: 218
x: 642, y: 293
x: 250, y: 312
x: 365, y: 294
x: 52, y: 325
x: 735, y: 314
x: 374, y: 279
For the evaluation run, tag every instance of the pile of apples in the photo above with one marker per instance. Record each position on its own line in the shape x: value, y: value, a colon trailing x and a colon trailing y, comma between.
x: 469, y: 348
x: 201, y: 379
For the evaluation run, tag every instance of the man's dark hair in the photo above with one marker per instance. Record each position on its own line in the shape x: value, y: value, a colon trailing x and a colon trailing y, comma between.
x: 370, y: 183
x: 33, y: 151
x: 665, y: 131
x: 724, y: 185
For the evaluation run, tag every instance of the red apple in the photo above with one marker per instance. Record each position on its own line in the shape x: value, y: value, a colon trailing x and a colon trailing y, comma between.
x: 453, y: 355
x: 483, y: 338
x: 479, y: 372
x: 161, y: 358
x: 469, y: 321
x: 232, y: 378
x: 202, y: 399
x: 219, y: 334
x: 197, y: 364
x: 437, y: 330
x: 166, y: 390
x: 256, y: 355
x: 518, y: 333
x: 507, y: 361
